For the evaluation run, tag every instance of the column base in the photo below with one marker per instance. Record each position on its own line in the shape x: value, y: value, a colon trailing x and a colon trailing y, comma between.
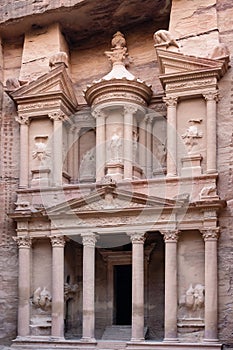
x: 170, y: 340
x: 88, y: 340
x: 136, y: 340
x: 206, y: 340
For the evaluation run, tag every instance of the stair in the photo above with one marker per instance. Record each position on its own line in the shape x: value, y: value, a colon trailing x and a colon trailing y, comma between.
x: 111, y: 345
x: 117, y: 333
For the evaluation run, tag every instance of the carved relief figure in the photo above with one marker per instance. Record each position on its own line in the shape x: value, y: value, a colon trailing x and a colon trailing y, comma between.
x: 42, y: 299
x: 160, y: 152
x: 87, y: 166
x: 192, y: 134
x: 69, y: 291
x: 115, y: 148
x: 163, y: 37
x: 193, y: 301
x: 40, y: 151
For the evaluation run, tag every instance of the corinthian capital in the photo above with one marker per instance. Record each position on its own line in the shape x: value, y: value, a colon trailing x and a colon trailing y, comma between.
x: 210, y: 234
x: 212, y: 96
x: 23, y: 241
x: 57, y: 115
x: 22, y: 119
x: 58, y: 241
x: 129, y: 109
x: 170, y: 235
x: 170, y: 101
x: 137, y: 237
x: 89, y: 239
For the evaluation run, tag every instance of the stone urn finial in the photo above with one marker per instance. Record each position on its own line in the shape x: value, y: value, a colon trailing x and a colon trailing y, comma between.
x: 118, y: 51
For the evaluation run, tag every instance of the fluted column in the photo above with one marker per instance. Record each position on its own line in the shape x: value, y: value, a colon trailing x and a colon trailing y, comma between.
x: 128, y: 141
x: 24, y: 151
x: 100, y: 117
x: 211, y: 131
x: 89, y: 240
x: 57, y: 118
x: 142, y: 144
x: 210, y: 236
x: 171, y: 103
x: 58, y: 243
x: 137, y: 286
x: 171, y: 294
x: 24, y: 245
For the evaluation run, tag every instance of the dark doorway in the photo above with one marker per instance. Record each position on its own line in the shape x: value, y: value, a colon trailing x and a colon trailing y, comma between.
x: 123, y: 294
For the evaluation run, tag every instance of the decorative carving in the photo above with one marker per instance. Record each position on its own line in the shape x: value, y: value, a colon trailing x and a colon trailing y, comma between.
x: 190, y: 84
x: 192, y: 134
x: 130, y: 109
x: 211, y: 96
x: 70, y: 290
x: 170, y: 235
x: 137, y: 237
x: 220, y: 51
x: 22, y: 205
x: 89, y: 239
x: 193, y: 301
x: 170, y: 101
x: 22, y: 119
x: 160, y: 152
x: 42, y: 299
x: 58, y: 241
x: 23, y: 241
x: 57, y: 116
x: 208, y: 192
x: 163, y: 37
x: 88, y: 165
x: 12, y: 84
x: 40, y: 153
x: 210, y: 234
x: 118, y: 51
x: 116, y: 148
x: 58, y: 58
x: 119, y: 95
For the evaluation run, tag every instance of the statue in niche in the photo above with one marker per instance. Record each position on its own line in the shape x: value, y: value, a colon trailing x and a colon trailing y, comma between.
x: 88, y: 164
x: 70, y: 290
x: 192, y: 135
x: 42, y: 299
x: 160, y: 152
x: 193, y: 301
x: 116, y: 148
x: 163, y: 37
x: 40, y: 152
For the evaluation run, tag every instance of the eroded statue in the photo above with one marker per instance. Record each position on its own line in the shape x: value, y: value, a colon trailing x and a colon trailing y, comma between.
x: 42, y: 299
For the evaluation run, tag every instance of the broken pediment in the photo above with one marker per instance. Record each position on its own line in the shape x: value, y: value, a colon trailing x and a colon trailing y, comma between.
x: 178, y: 65
x: 52, y: 86
x: 110, y: 200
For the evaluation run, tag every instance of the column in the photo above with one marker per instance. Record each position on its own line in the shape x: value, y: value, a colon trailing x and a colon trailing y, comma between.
x: 100, y: 143
x: 171, y: 103
x: 58, y: 243
x: 171, y: 294
x: 57, y: 118
x: 24, y: 151
x: 89, y: 240
x: 76, y: 153
x: 211, y: 132
x: 70, y: 164
x: 142, y: 144
x: 149, y: 145
x: 210, y: 236
x: 24, y: 245
x: 137, y: 286
x: 128, y: 141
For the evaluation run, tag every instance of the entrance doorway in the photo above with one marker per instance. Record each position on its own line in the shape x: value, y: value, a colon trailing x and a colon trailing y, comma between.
x: 122, y: 294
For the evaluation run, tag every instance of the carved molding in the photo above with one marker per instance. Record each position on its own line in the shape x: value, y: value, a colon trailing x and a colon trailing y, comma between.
x: 23, y: 241
x: 58, y: 241
x: 210, y: 234
x: 57, y: 116
x: 170, y: 235
x: 170, y: 101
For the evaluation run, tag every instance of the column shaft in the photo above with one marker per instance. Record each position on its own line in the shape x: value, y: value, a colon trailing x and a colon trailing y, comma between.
x: 149, y: 147
x: 142, y: 144
x: 171, y: 136
x: 24, y: 154
x: 128, y: 141
x: 137, y: 287
x: 211, y: 132
x: 89, y: 286
x: 24, y: 245
x: 58, y: 243
x: 100, y: 145
x: 170, y: 314
x: 57, y: 152
x: 211, y: 285
x: 71, y: 152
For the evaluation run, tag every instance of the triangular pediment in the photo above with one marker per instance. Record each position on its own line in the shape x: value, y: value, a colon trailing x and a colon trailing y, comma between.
x: 56, y: 82
x: 171, y: 63
x: 103, y: 200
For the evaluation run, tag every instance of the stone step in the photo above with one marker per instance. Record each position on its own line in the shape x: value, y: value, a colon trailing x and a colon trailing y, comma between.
x: 111, y: 345
x: 117, y: 333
